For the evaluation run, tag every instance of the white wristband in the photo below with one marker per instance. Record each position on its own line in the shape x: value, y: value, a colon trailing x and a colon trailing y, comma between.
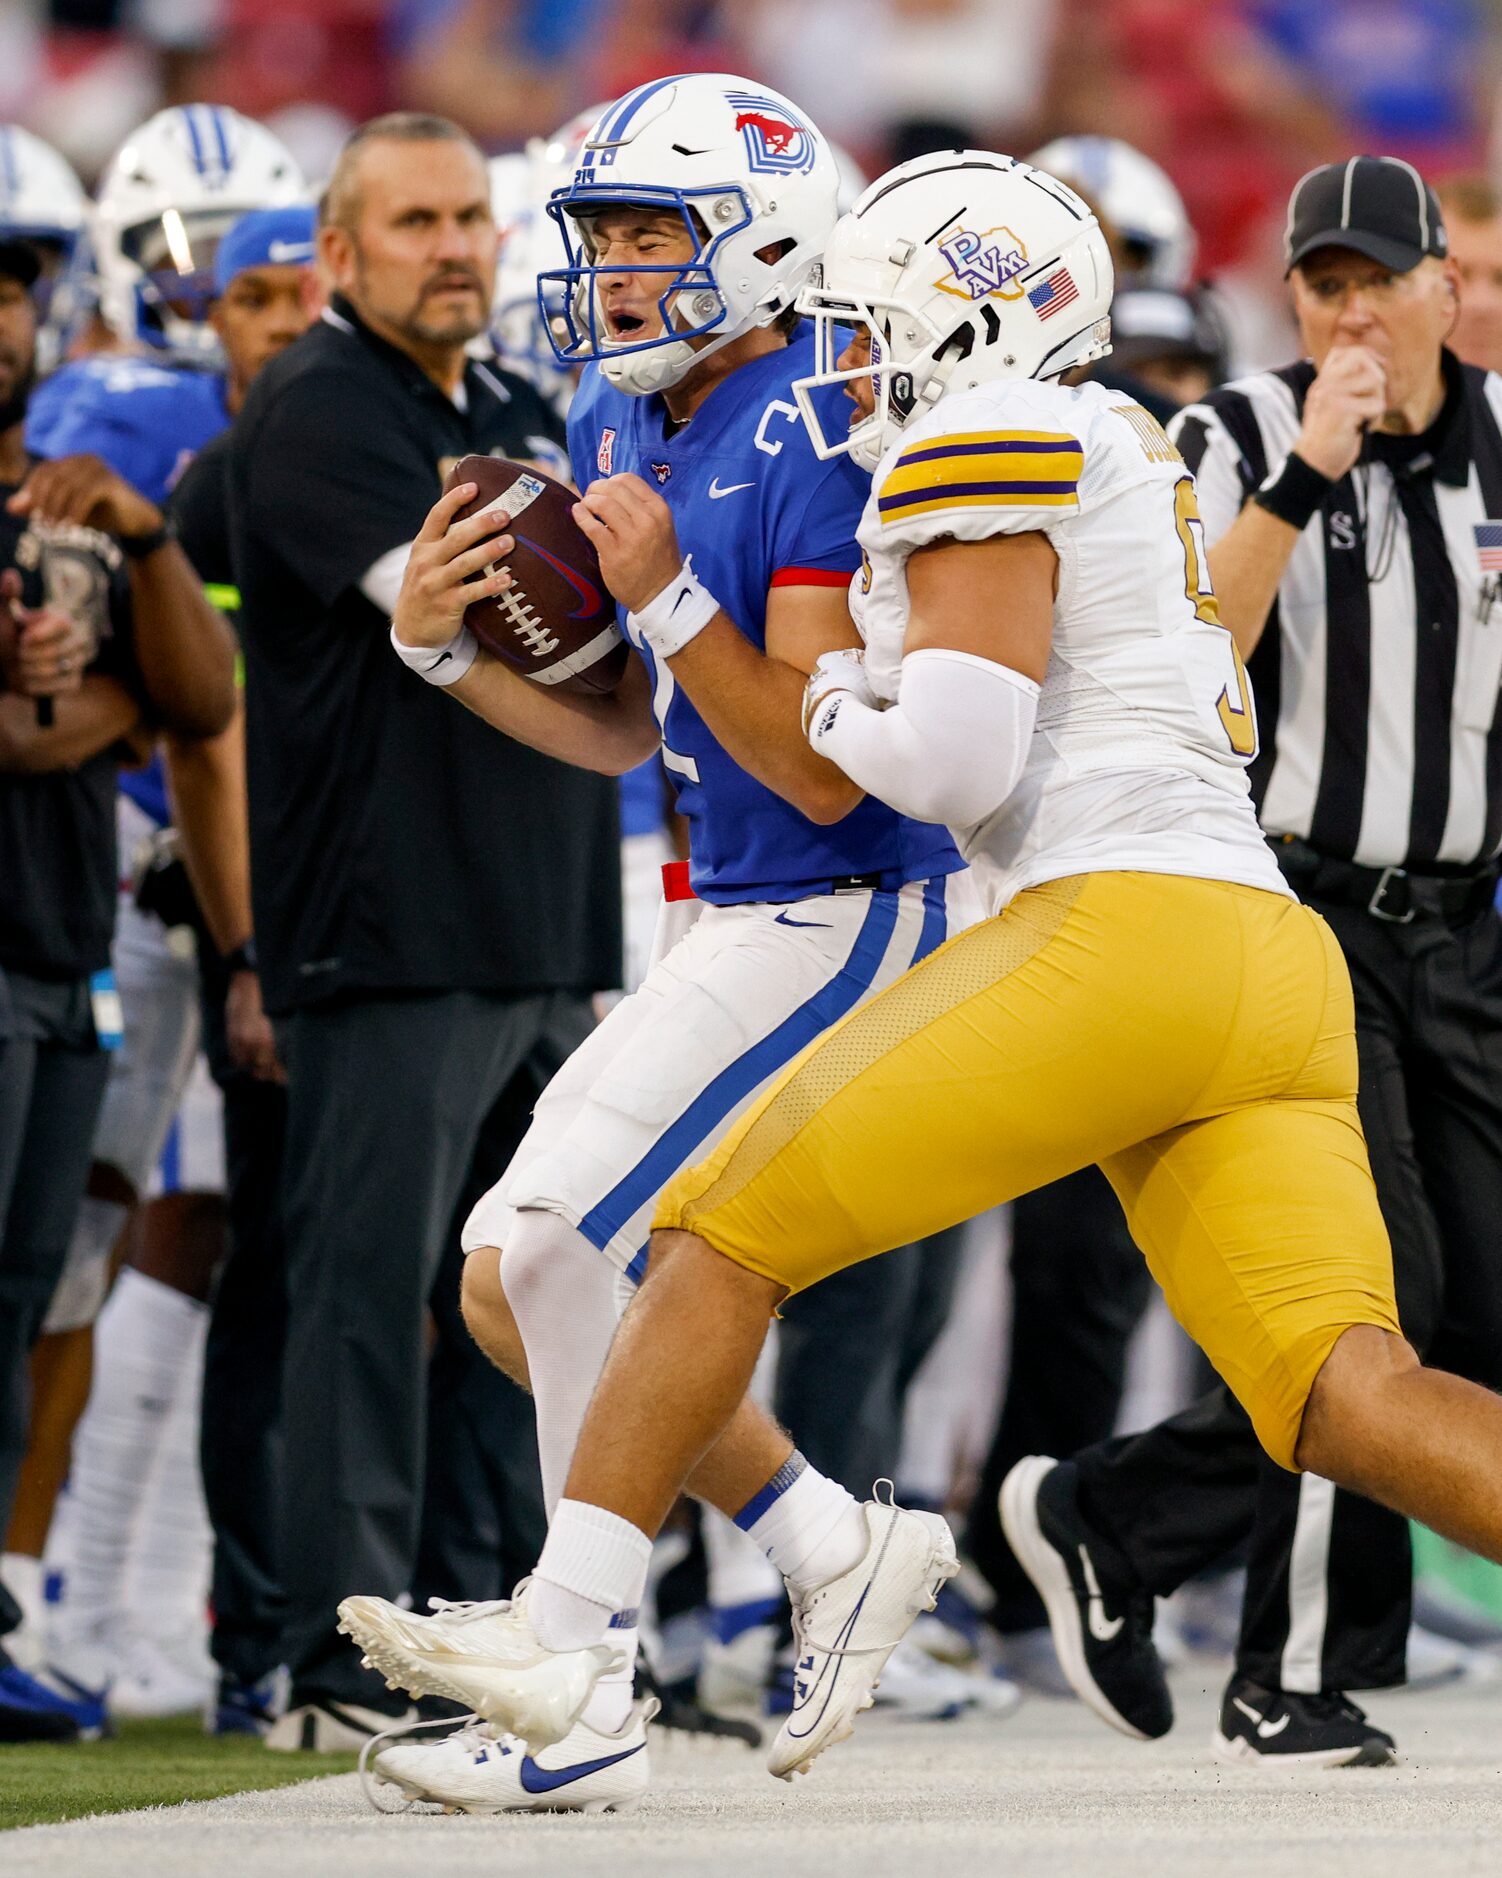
x: 440, y: 665
x: 678, y: 614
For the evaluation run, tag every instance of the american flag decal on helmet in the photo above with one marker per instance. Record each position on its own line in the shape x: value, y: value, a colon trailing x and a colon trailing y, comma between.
x: 1054, y: 294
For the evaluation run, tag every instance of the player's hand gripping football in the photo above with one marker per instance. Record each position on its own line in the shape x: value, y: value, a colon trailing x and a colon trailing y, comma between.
x: 841, y: 670
x: 437, y: 585
x: 86, y: 491
x: 1348, y: 396
x: 633, y: 534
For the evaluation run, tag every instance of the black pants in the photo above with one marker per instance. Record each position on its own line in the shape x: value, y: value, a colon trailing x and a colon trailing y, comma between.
x: 848, y: 1347
x: 1079, y: 1289
x: 52, y: 1077
x: 394, y: 1104
x: 1329, y: 1573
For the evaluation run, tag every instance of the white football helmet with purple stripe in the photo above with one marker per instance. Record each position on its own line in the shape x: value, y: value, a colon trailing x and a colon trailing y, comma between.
x: 963, y: 266
x: 170, y: 194
x: 756, y: 184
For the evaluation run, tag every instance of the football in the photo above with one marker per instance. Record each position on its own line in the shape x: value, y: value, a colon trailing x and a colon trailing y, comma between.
x: 557, y: 623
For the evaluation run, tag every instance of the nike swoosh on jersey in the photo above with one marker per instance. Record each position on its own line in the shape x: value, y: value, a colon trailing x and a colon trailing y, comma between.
x: 783, y: 920
x: 715, y: 491
x: 537, y: 1779
x: 1102, y: 1628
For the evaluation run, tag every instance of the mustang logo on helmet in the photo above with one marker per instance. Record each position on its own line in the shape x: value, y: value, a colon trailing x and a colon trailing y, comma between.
x: 982, y: 266
x: 777, y: 144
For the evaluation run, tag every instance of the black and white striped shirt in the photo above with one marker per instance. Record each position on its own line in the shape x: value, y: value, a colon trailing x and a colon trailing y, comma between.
x: 1378, y: 674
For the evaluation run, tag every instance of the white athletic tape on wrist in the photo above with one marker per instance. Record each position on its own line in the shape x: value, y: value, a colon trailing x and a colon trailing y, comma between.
x: 679, y: 613
x: 440, y: 665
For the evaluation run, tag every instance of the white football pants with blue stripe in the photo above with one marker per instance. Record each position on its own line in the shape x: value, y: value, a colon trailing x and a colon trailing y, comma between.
x: 727, y: 1007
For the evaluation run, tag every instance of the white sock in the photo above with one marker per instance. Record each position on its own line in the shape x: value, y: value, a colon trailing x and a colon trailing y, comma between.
x: 171, y: 1557
x: 610, y: 1701
x: 562, y: 1292
x: 739, y: 1571
x: 146, y: 1333
x: 593, y: 1563
x: 807, y: 1524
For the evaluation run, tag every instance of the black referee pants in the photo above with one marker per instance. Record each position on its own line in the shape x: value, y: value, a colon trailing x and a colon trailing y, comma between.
x: 1079, y: 1289
x: 399, y: 1108
x: 1329, y: 1573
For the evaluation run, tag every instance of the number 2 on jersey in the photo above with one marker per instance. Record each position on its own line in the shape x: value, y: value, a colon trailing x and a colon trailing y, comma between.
x: 1237, y: 717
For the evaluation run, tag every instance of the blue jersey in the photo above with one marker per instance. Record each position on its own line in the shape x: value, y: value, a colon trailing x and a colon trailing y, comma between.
x: 753, y: 506
x: 147, y: 422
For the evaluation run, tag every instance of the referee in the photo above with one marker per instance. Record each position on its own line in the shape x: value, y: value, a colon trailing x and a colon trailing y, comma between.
x: 433, y: 904
x: 1353, y: 503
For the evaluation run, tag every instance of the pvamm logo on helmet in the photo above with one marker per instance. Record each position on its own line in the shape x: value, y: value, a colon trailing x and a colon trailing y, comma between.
x: 982, y: 264
x: 777, y: 143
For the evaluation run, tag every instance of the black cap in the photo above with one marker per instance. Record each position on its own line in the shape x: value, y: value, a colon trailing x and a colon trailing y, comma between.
x: 1380, y: 206
x: 19, y: 260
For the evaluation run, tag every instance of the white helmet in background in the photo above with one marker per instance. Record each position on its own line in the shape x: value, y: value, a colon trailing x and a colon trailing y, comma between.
x: 42, y: 203
x: 964, y: 267
x: 532, y: 244
x: 1137, y: 199
x: 854, y: 182
x: 747, y: 172
x: 172, y: 190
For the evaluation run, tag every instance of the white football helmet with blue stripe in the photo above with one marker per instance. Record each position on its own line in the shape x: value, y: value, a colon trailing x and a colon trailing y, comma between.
x: 756, y: 185
x: 170, y: 194
x: 43, y: 204
x: 963, y: 267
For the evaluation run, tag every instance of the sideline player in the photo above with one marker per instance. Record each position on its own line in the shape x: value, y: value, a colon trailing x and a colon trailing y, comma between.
x: 169, y: 196
x: 1149, y: 995
x: 697, y: 210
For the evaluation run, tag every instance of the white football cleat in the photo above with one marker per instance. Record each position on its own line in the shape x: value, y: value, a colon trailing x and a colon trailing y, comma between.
x: 844, y: 1632
x: 478, y: 1769
x: 483, y: 1655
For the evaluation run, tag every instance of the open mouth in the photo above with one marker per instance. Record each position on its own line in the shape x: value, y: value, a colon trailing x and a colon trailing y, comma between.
x: 622, y: 325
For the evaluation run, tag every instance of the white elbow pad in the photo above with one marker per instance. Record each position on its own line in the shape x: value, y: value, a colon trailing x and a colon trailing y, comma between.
x: 952, y: 748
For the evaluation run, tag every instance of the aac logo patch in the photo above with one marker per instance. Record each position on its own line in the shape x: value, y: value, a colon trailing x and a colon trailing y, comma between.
x: 982, y: 264
x: 605, y: 455
x: 777, y: 143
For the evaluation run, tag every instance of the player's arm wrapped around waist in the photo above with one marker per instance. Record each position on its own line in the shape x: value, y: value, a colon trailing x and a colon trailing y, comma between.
x: 951, y: 750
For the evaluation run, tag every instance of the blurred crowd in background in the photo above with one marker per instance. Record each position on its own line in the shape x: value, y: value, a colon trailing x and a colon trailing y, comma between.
x: 1254, y: 93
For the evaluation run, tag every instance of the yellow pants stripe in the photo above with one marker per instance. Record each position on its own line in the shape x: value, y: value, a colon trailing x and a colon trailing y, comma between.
x: 1192, y: 1037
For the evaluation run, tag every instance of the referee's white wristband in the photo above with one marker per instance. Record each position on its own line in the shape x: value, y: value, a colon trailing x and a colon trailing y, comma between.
x: 678, y: 614
x: 440, y: 665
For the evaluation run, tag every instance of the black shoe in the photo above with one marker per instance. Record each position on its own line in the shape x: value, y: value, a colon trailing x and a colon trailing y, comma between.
x: 1276, y: 1728
x: 322, y: 1724
x: 1102, y: 1626
x: 681, y: 1714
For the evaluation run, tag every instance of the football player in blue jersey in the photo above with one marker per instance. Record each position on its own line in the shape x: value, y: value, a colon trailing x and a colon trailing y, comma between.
x: 698, y: 208
x: 168, y: 199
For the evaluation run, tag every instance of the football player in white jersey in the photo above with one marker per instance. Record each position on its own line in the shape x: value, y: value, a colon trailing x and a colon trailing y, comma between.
x: 1048, y: 676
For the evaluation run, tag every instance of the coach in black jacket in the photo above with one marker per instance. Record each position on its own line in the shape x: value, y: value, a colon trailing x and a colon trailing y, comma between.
x: 434, y: 905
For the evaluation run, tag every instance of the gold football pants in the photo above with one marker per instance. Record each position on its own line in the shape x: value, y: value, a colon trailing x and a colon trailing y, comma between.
x: 1193, y: 1037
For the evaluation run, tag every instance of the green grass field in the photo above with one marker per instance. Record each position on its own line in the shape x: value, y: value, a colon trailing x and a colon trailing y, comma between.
x: 148, y: 1763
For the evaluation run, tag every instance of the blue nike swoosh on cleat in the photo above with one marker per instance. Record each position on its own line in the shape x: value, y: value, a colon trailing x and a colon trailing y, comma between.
x: 537, y: 1779
x: 783, y: 920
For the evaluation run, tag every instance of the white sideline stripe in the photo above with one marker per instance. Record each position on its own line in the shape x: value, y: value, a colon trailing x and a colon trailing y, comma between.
x: 581, y: 660
x: 1308, y: 1587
